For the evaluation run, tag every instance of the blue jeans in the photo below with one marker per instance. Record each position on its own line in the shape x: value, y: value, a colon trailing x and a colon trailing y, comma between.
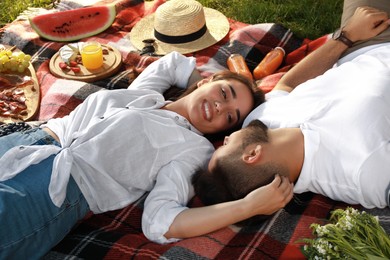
x: 30, y: 224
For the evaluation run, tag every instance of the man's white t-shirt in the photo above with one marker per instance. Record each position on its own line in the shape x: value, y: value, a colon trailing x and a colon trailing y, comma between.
x: 344, y: 115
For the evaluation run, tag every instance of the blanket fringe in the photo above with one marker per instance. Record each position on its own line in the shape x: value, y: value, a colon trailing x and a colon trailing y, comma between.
x: 57, y: 6
x: 33, y: 11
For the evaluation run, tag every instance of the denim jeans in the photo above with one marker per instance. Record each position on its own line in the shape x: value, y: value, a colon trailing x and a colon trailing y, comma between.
x: 30, y: 224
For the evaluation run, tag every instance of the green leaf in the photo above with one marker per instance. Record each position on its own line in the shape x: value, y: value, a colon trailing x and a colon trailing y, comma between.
x: 373, y: 257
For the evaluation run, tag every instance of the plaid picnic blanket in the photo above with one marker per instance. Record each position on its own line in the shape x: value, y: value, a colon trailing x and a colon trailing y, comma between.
x: 118, y: 234
x: 60, y: 96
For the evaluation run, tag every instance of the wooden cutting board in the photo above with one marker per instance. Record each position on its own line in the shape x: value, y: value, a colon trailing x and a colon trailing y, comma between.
x: 111, y: 65
x: 31, y: 93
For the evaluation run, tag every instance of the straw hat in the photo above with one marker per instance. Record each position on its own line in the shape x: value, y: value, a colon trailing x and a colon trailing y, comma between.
x: 180, y: 25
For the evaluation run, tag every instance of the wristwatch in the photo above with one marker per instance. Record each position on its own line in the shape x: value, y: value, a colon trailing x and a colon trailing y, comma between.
x: 340, y: 36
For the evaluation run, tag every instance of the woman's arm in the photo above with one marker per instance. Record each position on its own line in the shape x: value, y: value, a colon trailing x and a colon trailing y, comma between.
x: 195, y: 77
x: 262, y: 201
x: 364, y: 24
x: 174, y: 69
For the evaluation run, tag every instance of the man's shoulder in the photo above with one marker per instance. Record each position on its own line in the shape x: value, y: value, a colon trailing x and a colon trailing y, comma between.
x: 276, y: 93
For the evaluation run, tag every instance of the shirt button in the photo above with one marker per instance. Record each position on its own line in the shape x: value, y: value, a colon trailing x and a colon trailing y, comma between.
x: 176, y: 118
x: 102, y: 117
x: 21, y: 147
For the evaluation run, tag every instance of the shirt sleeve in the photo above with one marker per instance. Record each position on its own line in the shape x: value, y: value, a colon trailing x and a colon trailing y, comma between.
x: 173, y: 69
x: 259, y: 112
x: 275, y: 94
x: 169, y: 197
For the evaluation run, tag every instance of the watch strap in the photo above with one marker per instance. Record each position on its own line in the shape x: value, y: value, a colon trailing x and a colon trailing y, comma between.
x: 341, y: 37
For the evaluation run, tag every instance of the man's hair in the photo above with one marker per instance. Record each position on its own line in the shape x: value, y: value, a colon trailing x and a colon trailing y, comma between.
x: 232, y: 178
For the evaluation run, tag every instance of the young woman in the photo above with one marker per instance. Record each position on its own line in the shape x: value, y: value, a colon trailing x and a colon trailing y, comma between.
x: 113, y: 148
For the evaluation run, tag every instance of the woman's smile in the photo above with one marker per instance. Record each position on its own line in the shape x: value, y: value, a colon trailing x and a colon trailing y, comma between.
x: 206, y: 109
x: 215, y: 105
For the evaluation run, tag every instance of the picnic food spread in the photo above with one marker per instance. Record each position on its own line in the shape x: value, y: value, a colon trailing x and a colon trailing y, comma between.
x: 67, y: 63
x: 269, y: 64
x: 76, y: 24
x: 19, y: 90
x: 92, y: 55
x: 236, y: 63
x: 13, y: 61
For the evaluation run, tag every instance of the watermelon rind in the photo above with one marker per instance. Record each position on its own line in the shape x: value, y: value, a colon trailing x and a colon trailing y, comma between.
x: 75, y: 24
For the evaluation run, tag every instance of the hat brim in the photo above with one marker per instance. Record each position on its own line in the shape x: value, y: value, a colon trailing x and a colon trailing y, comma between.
x: 217, y: 28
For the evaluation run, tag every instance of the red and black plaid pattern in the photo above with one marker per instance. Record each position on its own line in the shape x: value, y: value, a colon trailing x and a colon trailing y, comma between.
x: 118, y: 234
x: 60, y: 96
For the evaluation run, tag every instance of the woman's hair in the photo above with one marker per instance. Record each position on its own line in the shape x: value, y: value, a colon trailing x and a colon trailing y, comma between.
x: 232, y: 178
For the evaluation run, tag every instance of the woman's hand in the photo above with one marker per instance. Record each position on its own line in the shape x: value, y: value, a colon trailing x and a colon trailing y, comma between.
x: 268, y: 199
x: 366, y: 23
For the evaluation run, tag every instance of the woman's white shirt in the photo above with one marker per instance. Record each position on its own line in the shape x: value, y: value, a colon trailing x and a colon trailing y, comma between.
x: 119, y: 144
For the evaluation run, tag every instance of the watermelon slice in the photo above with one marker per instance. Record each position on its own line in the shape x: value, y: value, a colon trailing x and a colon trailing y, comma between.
x: 72, y: 25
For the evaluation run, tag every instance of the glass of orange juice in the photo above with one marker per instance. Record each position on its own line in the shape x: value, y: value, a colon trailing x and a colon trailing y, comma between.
x: 92, y: 55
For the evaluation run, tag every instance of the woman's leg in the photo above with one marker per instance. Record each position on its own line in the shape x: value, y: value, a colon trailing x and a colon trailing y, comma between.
x: 349, y: 9
x: 30, y: 223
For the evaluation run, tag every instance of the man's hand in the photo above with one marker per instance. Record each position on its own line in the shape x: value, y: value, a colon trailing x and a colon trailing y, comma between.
x: 270, y: 198
x: 366, y: 23
x: 262, y: 201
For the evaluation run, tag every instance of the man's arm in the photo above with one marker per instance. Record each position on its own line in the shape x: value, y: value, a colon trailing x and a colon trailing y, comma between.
x: 262, y: 201
x: 366, y: 23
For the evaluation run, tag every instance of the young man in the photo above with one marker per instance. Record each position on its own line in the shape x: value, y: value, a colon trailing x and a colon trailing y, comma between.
x: 331, y: 134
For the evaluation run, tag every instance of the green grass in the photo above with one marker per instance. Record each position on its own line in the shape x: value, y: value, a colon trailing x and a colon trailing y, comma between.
x: 306, y: 18
x: 10, y: 9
